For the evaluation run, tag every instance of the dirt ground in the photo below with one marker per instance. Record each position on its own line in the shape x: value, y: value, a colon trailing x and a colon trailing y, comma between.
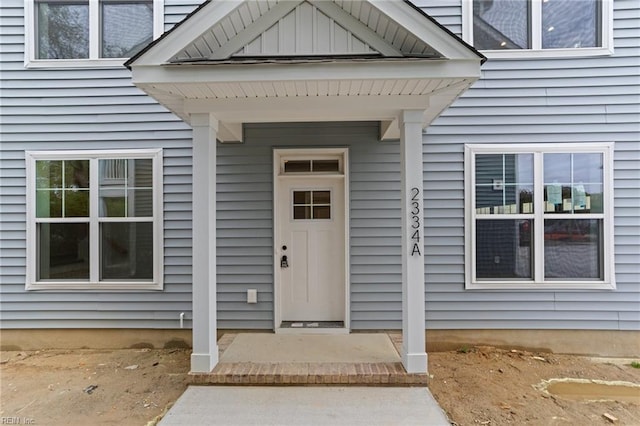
x: 489, y: 386
x: 475, y: 386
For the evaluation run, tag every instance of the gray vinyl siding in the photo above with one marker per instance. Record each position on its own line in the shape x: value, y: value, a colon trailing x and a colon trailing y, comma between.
x: 547, y: 100
x: 68, y: 109
x: 537, y: 101
x: 245, y: 221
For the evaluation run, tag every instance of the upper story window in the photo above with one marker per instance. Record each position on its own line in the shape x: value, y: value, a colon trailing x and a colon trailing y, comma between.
x: 75, y: 33
x: 94, y: 220
x: 539, y: 216
x: 539, y: 28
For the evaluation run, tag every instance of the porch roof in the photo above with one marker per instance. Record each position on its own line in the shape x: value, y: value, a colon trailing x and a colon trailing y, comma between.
x: 314, y: 60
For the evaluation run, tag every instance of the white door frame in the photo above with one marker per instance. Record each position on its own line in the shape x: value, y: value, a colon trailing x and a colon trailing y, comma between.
x: 309, y: 153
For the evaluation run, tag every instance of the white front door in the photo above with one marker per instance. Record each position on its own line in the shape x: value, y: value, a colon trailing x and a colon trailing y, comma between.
x: 311, y: 247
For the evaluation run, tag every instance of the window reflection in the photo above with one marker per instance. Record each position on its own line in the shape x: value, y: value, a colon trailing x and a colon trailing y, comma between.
x: 126, y: 251
x: 63, y: 251
x: 125, y: 188
x: 573, y: 183
x: 570, y: 24
x: 504, y: 183
x: 62, y: 188
x: 63, y: 30
x: 126, y: 27
x: 503, y: 249
x: 501, y: 24
x: 572, y: 248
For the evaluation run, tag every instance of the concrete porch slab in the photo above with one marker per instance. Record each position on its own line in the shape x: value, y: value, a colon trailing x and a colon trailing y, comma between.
x: 309, y: 359
x: 311, y: 348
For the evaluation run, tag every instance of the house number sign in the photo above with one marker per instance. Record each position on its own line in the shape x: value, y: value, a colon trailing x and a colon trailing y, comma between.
x: 416, y: 222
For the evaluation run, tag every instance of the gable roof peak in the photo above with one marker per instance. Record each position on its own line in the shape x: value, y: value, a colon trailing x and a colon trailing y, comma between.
x: 235, y: 30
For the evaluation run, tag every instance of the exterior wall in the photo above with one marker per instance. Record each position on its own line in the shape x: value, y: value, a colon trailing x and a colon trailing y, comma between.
x: 245, y: 221
x: 543, y: 101
x: 553, y: 100
x: 86, y: 109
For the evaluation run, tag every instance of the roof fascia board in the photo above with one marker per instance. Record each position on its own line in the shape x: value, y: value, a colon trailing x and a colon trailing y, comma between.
x: 200, y: 73
x: 423, y: 28
x: 197, y: 24
x: 262, y: 24
x: 356, y: 27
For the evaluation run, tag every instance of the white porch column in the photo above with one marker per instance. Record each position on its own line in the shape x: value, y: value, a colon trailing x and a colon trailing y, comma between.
x: 414, y: 355
x: 205, y: 347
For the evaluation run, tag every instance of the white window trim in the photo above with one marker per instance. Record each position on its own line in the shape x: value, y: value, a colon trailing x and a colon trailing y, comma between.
x: 536, y: 34
x: 94, y: 61
x: 94, y: 284
x: 471, y: 283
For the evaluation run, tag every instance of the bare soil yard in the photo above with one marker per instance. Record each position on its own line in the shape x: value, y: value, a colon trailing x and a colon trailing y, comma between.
x: 475, y: 386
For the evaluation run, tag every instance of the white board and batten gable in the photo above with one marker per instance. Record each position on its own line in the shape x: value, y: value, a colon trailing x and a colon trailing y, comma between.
x: 306, y: 60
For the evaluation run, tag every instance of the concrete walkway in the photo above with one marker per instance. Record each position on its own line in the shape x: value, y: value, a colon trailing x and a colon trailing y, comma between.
x: 284, y: 406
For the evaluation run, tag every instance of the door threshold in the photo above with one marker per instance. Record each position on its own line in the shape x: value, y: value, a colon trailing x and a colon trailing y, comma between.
x: 312, y: 327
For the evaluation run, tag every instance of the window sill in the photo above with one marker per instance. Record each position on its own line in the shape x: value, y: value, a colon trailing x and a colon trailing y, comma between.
x: 547, y: 53
x: 75, y: 63
x: 102, y: 286
x: 550, y: 285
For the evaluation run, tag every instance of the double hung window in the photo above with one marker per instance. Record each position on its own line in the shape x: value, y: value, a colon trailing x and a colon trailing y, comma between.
x: 94, y: 220
x: 539, y: 216
x: 502, y: 28
x: 89, y: 32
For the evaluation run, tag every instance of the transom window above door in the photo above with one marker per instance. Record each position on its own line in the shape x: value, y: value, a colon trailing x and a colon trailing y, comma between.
x: 311, y: 166
x: 73, y: 33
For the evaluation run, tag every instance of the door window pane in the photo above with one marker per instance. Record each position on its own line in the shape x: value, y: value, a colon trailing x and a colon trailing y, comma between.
x: 126, y: 251
x: 570, y: 24
x: 321, y: 212
x: 301, y: 197
x: 501, y: 24
x: 321, y: 197
x: 302, y: 212
x: 572, y: 249
x: 127, y: 27
x: 63, y: 251
x: 311, y: 205
x: 503, y: 249
x: 63, y: 30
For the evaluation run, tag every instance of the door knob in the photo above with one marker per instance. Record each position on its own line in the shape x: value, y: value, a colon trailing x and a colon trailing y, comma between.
x: 284, y: 263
